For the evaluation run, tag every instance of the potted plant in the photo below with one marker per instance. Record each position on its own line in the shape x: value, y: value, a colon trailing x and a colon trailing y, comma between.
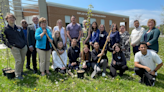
x: 80, y: 72
x: 6, y: 71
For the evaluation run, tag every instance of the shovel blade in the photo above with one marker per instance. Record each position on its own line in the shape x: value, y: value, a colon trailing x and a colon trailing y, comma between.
x: 93, y: 74
x: 70, y: 73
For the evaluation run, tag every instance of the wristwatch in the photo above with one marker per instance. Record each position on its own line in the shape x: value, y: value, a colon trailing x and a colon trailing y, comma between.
x: 155, y: 71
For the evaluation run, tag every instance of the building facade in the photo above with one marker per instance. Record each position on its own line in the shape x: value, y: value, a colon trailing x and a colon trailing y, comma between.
x: 64, y: 12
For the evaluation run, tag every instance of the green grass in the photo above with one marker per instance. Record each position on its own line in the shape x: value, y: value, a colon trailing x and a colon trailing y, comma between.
x: 64, y: 83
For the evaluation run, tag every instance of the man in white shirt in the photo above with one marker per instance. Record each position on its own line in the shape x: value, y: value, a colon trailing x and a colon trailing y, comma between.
x: 145, y: 64
x: 136, y: 36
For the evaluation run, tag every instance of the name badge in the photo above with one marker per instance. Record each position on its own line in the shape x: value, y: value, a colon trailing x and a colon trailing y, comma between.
x: 101, y: 35
x: 76, y: 50
x: 18, y: 30
x: 119, y: 57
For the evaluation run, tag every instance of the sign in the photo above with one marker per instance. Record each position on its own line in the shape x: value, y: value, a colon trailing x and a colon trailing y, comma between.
x: 96, y: 15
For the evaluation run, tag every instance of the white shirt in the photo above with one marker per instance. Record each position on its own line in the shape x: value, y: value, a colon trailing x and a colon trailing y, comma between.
x: 136, y: 35
x: 150, y: 59
x: 35, y: 25
x: 62, y: 33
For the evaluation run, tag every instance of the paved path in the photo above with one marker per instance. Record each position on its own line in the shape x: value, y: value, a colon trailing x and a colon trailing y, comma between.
x: 2, y: 46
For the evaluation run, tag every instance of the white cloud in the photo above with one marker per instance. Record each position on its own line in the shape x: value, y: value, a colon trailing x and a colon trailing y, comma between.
x: 145, y: 15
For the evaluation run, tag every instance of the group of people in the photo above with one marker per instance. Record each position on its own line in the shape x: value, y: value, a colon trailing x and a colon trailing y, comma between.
x: 39, y: 38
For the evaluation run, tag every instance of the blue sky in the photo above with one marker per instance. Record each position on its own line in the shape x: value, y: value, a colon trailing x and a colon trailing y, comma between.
x: 132, y: 8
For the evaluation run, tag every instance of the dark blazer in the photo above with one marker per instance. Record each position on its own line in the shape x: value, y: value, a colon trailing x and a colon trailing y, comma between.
x: 31, y: 35
x: 152, y: 38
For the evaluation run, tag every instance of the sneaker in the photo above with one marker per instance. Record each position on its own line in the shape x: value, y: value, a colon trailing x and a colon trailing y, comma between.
x: 19, y: 77
x: 103, y: 74
x: 52, y: 67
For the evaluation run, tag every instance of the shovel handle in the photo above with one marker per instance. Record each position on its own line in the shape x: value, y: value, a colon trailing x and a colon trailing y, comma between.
x: 104, y: 46
x: 55, y: 49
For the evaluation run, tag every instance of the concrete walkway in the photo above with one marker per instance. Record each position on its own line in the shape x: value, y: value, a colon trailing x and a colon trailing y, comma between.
x: 2, y: 46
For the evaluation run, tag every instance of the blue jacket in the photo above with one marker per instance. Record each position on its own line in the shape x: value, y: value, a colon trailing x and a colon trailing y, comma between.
x: 95, y: 36
x: 41, y: 42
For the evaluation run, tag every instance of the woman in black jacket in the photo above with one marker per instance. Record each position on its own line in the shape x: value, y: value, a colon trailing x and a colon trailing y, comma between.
x: 118, y: 61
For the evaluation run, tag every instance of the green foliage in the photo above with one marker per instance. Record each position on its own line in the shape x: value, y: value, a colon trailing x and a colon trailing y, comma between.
x: 161, y: 28
x: 89, y: 15
x: 146, y: 27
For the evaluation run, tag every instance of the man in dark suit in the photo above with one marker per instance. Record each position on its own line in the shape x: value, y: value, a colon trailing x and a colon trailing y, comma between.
x: 31, y: 43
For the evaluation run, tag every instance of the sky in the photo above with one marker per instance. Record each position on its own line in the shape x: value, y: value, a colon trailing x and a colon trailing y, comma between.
x: 133, y: 8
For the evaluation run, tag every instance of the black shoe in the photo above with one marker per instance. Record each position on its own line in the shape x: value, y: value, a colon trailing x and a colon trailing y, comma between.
x: 35, y: 71
x: 23, y: 74
x: 29, y: 69
x: 141, y: 81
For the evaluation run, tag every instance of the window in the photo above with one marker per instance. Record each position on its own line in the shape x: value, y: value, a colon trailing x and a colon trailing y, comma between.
x: 92, y: 20
x: 67, y: 20
x: 29, y: 19
x: 81, y: 21
x: 110, y: 22
x: 103, y: 21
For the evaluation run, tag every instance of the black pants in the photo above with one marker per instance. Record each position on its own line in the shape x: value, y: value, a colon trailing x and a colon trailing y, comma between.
x: 146, y: 77
x: 113, y: 70
x: 135, y: 49
x: 33, y: 59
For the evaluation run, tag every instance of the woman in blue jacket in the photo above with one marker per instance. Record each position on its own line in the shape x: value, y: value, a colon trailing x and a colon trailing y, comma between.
x: 151, y: 36
x: 43, y: 46
x: 94, y: 34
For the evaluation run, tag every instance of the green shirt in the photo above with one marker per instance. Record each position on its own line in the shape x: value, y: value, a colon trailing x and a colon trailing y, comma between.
x: 152, y: 38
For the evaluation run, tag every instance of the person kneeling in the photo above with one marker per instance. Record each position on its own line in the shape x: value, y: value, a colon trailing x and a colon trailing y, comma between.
x: 73, y: 54
x: 86, y: 58
x: 118, y: 61
x: 57, y: 61
x: 145, y: 64
x: 95, y: 54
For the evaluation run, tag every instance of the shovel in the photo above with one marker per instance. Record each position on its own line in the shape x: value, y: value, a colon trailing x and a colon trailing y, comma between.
x: 95, y: 71
x: 70, y: 73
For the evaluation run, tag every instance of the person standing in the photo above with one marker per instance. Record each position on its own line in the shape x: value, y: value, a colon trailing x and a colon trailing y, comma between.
x: 14, y: 38
x: 94, y: 35
x: 145, y: 64
x: 24, y: 27
x: 86, y: 34
x: 63, y: 33
x: 74, y: 31
x: 151, y: 36
x: 31, y: 43
x: 124, y: 42
x: 135, y: 36
x: 114, y: 37
x: 43, y: 46
x: 102, y: 36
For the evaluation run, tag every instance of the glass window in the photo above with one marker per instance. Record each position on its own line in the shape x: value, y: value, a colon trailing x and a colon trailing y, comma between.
x: 110, y: 22
x: 103, y: 21
x: 92, y: 20
x: 81, y: 21
x: 67, y: 20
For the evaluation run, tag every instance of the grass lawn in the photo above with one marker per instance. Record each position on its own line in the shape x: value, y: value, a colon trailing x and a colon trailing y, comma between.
x: 64, y: 83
